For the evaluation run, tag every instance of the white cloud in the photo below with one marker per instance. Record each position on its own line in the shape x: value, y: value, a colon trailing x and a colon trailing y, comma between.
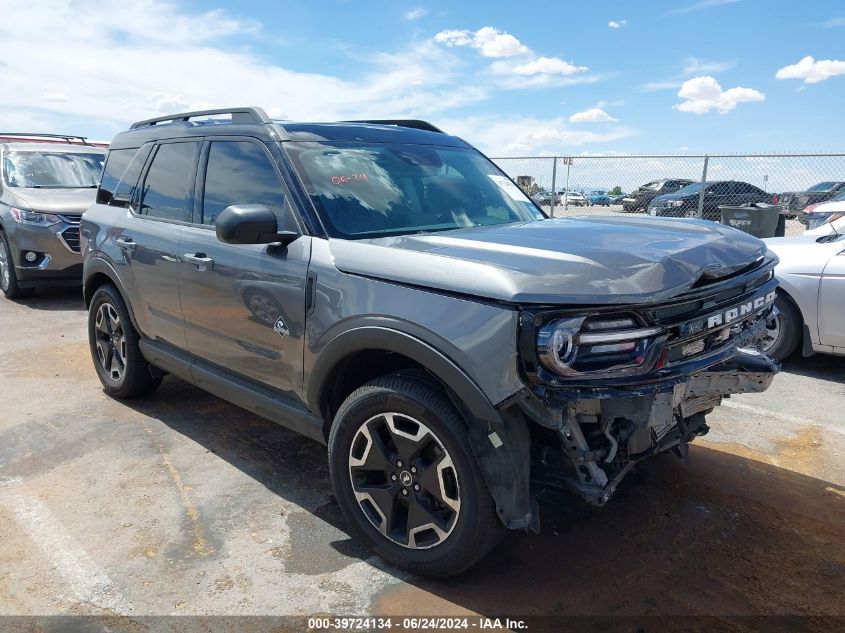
x: 489, y: 41
x: 617, y: 24
x: 592, y: 115
x: 416, y: 13
x: 704, y: 93
x: 695, y: 66
x: 499, y: 136
x: 56, y: 97
x: 704, y: 4
x: 833, y: 23
x: 547, y: 66
x: 133, y: 60
x: 812, y: 71
x: 653, y: 86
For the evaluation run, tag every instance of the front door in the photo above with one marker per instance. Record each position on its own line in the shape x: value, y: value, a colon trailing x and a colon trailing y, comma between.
x: 244, y: 305
x: 832, y: 303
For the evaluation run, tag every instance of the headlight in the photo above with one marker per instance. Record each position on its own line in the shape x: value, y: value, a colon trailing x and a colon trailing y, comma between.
x: 34, y: 217
x: 677, y: 203
x: 598, y: 346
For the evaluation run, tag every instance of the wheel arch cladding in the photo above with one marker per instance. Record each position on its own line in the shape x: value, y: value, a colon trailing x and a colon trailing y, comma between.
x: 504, y: 458
x: 98, y: 273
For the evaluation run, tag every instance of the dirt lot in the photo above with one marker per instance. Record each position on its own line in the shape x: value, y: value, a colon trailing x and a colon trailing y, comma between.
x: 183, y: 504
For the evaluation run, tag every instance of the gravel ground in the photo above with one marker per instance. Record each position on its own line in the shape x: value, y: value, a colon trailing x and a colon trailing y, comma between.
x: 184, y: 504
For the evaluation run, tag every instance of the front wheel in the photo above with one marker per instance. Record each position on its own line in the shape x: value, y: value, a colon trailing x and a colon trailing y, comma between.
x: 114, y: 347
x: 406, y: 479
x: 783, y: 330
x: 8, y: 278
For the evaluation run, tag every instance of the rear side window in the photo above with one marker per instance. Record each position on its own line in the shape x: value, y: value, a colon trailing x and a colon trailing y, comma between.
x: 116, y: 163
x: 169, y: 184
x: 719, y: 189
x: 240, y: 172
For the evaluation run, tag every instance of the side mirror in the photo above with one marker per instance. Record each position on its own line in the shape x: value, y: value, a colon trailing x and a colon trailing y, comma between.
x: 251, y: 224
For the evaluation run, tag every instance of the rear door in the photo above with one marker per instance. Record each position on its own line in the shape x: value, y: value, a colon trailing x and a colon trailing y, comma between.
x: 244, y: 305
x: 715, y: 195
x: 149, y: 238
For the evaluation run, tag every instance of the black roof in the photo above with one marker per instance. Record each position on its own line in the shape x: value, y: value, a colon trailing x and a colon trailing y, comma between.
x: 252, y: 121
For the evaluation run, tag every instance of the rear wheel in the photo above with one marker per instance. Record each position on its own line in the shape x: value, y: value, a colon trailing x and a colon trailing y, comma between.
x: 8, y: 277
x: 406, y: 479
x: 783, y: 330
x: 114, y: 347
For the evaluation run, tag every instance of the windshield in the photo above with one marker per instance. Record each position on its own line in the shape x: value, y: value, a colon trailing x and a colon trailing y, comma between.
x: 370, y: 190
x: 839, y: 197
x: 52, y: 169
x: 652, y: 186
x: 822, y: 186
x: 689, y: 189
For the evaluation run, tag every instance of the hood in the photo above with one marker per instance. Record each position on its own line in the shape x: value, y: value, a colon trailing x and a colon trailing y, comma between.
x: 804, y: 254
x: 581, y: 260
x: 72, y: 201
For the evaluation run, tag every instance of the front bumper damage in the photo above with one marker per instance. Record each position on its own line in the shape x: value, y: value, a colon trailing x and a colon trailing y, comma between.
x: 587, y: 441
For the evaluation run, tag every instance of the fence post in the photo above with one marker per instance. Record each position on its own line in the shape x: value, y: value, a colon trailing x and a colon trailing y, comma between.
x: 568, y: 160
x: 554, y: 177
x: 703, y: 187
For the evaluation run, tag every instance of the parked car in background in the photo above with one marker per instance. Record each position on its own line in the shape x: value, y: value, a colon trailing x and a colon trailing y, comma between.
x: 811, y: 297
x: 599, y: 197
x: 794, y: 202
x: 639, y: 200
x: 44, y: 189
x: 684, y: 202
x: 572, y: 199
x: 617, y: 199
x: 544, y: 198
x: 820, y: 213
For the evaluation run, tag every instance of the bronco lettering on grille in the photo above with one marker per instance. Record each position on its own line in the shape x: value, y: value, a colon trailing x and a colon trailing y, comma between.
x: 749, y: 307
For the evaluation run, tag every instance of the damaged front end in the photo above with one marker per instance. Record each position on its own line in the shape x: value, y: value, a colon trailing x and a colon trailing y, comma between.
x: 608, y: 387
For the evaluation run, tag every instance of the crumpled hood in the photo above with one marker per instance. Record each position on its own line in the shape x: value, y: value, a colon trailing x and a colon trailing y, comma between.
x: 72, y: 201
x: 586, y: 260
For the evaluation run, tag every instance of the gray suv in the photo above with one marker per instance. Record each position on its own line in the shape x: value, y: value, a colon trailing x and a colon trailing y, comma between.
x: 44, y: 189
x: 382, y: 287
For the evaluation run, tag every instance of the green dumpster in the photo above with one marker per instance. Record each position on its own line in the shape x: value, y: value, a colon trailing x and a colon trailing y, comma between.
x: 757, y: 218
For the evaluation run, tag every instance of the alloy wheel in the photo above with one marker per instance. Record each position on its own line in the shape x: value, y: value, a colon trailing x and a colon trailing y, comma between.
x: 770, y: 338
x: 110, y: 342
x: 404, y: 480
x: 5, y: 275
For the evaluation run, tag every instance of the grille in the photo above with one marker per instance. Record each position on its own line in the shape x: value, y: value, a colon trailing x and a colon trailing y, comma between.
x: 70, y: 237
x: 73, y: 220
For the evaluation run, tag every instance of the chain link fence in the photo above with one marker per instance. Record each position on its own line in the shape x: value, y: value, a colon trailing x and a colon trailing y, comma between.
x: 671, y: 185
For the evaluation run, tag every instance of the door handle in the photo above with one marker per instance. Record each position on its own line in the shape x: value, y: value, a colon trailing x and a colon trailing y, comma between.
x: 200, y: 260
x: 126, y: 243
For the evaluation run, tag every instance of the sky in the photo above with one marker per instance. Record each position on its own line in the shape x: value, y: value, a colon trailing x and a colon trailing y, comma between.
x: 513, y: 78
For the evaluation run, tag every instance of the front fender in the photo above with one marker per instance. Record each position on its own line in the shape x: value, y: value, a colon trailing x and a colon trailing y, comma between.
x: 499, y: 441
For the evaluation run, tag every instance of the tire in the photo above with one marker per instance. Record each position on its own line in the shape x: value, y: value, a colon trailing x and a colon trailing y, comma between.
x: 399, y: 417
x: 8, y: 277
x: 114, y: 347
x: 784, y: 330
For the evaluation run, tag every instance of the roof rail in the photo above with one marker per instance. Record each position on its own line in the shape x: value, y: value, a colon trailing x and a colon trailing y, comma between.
x: 239, y: 115
x: 66, y: 137
x: 412, y: 123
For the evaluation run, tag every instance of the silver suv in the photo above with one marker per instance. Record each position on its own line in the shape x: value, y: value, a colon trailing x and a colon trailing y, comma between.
x: 44, y: 189
x: 382, y: 287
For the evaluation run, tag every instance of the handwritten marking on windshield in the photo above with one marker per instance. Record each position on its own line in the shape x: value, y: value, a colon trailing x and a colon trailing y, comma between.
x: 342, y: 180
